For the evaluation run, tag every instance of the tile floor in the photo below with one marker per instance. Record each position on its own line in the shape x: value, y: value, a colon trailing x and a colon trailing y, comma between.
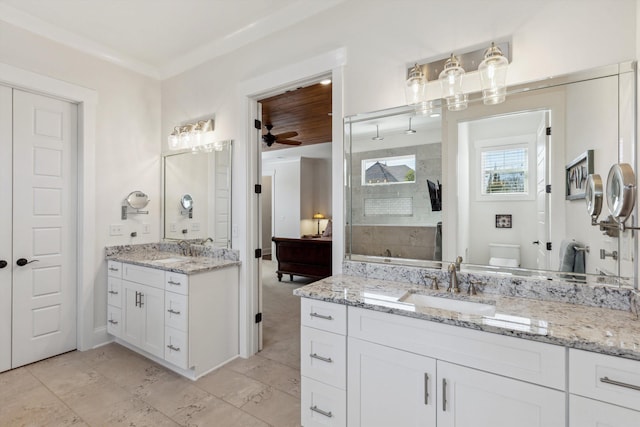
x: 112, y: 386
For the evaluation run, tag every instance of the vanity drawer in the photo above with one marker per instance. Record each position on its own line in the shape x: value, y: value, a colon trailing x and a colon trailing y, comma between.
x: 176, y: 349
x: 322, y: 405
x: 114, y: 269
x: 176, y: 311
x: 522, y: 359
x: 607, y: 378
x: 585, y: 412
x: 114, y: 321
x: 114, y: 292
x: 143, y: 275
x: 323, y: 356
x: 176, y: 282
x: 324, y: 315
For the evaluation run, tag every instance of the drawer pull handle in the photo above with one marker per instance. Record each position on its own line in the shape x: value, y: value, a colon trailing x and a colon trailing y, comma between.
x: 444, y: 395
x: 426, y: 388
x: 171, y: 347
x: 172, y: 311
x: 113, y: 269
x: 314, y: 408
x: 113, y: 292
x: 113, y: 322
x: 321, y: 316
x: 324, y: 359
x: 620, y: 384
x: 171, y: 282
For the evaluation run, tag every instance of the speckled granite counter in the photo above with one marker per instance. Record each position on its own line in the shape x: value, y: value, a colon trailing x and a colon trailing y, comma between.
x: 168, y: 256
x: 602, y: 330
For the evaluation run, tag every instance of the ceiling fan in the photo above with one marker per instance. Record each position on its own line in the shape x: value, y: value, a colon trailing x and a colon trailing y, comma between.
x: 282, y: 138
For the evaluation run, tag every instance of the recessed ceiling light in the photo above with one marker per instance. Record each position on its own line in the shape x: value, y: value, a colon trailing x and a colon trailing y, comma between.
x: 325, y: 82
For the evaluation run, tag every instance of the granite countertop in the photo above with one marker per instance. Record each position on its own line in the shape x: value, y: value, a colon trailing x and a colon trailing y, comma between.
x: 602, y: 330
x: 156, y: 257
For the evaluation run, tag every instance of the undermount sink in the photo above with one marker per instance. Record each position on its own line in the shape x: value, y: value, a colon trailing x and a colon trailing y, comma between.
x: 170, y: 260
x: 466, y: 307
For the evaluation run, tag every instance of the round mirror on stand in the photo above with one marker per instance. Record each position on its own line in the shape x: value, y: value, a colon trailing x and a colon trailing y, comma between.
x: 137, y: 200
x: 593, y: 195
x: 621, y: 191
x: 186, y: 202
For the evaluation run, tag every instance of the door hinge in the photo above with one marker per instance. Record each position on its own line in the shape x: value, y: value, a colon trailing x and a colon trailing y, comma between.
x: 258, y: 253
x: 257, y: 124
x: 258, y: 317
x: 257, y: 189
x: 548, y: 246
x: 547, y: 188
x: 549, y: 130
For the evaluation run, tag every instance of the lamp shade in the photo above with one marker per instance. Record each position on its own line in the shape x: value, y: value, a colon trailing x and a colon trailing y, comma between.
x: 451, y: 82
x: 416, y: 84
x: 493, y: 76
x: 318, y: 215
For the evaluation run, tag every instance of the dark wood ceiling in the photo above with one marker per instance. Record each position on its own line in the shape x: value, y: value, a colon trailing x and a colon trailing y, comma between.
x: 304, y: 110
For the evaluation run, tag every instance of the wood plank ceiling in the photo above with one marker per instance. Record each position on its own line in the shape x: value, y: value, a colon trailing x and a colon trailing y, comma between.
x: 305, y: 110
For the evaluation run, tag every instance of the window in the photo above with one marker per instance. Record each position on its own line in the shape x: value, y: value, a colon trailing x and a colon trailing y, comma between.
x: 504, y: 170
x: 389, y: 170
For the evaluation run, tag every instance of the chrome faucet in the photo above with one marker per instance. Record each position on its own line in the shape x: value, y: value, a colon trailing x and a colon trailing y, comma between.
x: 453, y: 279
x: 434, y: 282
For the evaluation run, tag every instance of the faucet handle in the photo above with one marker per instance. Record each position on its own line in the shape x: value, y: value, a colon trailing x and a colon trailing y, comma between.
x: 472, y: 287
x: 434, y: 282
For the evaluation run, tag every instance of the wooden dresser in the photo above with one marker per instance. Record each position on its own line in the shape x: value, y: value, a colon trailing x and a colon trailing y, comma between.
x: 308, y: 257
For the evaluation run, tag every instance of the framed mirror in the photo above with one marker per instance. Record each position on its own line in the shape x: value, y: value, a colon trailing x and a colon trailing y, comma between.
x: 503, y: 179
x: 204, y: 176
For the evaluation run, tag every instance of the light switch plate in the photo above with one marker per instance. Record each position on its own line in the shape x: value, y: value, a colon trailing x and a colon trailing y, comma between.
x: 195, y: 226
x: 115, y: 230
x: 146, y: 228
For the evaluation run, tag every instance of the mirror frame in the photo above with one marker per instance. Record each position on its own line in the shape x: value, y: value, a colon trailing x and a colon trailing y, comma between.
x: 628, y: 67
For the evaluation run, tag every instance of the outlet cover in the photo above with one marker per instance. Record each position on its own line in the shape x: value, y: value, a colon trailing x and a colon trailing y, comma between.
x: 195, y: 226
x: 115, y: 230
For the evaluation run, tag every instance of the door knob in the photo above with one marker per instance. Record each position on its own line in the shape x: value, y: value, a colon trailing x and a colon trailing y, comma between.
x: 23, y: 261
x: 3, y: 263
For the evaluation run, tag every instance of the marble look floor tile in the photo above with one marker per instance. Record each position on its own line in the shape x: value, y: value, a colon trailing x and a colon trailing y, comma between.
x: 62, y: 374
x: 215, y: 412
x: 285, y: 351
x: 231, y: 386
x: 129, y: 412
x: 272, y: 373
x: 170, y: 393
x: 132, y: 373
x: 101, y: 393
x: 275, y: 407
x: 35, y: 407
x: 16, y: 382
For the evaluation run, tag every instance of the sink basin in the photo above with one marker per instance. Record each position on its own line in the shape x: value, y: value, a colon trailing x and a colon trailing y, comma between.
x: 466, y: 307
x: 169, y: 260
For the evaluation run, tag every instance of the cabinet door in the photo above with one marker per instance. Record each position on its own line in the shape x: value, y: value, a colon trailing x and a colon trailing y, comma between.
x: 592, y: 413
x: 471, y: 398
x: 152, y: 302
x: 389, y: 387
x: 131, y: 313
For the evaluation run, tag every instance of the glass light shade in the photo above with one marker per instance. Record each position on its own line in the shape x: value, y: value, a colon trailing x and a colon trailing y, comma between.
x: 451, y: 81
x: 185, y: 137
x: 416, y: 86
x: 493, y: 76
x: 174, y: 139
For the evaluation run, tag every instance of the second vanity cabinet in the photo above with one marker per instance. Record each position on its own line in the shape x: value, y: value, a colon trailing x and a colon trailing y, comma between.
x: 188, y: 323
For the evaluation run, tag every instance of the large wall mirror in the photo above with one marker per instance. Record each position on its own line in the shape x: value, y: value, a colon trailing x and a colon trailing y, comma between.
x: 502, y: 186
x: 197, y: 195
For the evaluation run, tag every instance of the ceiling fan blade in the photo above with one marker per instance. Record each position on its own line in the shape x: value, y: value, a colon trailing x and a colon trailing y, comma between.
x: 289, y: 142
x: 286, y: 135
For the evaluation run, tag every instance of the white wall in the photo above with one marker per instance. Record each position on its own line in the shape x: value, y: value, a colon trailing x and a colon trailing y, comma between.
x: 127, y: 148
x: 286, y: 197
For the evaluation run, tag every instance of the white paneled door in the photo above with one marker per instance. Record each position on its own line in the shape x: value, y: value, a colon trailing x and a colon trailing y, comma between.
x: 6, y: 229
x: 44, y: 227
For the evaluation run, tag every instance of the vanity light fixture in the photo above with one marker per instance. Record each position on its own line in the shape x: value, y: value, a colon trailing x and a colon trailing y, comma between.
x: 191, y: 135
x: 451, y: 82
x: 416, y: 85
x: 377, y: 137
x: 428, y: 108
x: 493, y: 76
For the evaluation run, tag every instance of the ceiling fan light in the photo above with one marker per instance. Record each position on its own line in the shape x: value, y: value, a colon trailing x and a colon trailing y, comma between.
x: 493, y: 76
x: 451, y: 79
x: 415, y: 88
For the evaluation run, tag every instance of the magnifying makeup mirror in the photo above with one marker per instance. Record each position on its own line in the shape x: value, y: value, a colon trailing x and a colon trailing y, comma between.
x: 186, y: 201
x: 137, y: 200
x: 593, y: 195
x: 621, y: 191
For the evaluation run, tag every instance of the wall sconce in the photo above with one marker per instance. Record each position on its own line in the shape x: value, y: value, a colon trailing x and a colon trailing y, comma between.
x: 491, y: 63
x: 318, y: 216
x: 191, y: 135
